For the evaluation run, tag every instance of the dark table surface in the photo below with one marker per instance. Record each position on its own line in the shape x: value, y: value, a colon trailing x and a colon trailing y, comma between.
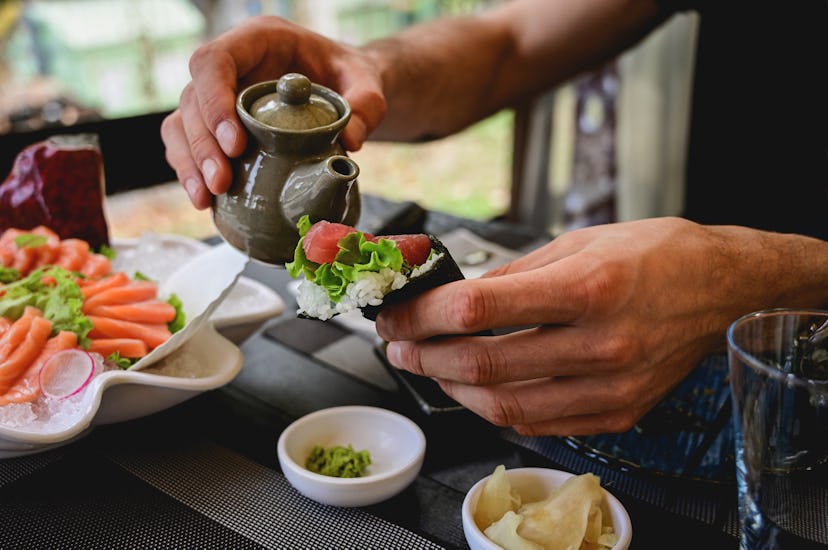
x: 204, y: 474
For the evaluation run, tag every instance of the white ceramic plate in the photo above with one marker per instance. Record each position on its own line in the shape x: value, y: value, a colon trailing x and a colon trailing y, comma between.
x: 198, y: 358
x: 206, y: 361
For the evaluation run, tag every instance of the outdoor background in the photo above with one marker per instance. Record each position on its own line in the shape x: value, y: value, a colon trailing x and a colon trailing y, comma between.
x: 66, y: 61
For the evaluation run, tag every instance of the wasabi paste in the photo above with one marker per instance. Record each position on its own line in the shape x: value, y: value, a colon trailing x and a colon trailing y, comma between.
x: 338, y: 461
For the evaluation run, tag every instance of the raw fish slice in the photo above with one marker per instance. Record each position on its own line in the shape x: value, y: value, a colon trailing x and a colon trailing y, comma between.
x: 201, y: 284
x: 27, y: 387
x: 16, y: 362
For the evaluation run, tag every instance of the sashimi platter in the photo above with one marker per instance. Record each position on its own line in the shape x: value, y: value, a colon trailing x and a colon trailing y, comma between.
x: 94, y: 331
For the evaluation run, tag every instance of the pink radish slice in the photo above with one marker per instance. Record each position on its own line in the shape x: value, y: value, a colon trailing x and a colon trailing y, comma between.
x: 66, y: 373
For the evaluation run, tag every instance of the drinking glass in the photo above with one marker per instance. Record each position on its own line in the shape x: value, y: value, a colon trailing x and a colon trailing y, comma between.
x: 779, y: 385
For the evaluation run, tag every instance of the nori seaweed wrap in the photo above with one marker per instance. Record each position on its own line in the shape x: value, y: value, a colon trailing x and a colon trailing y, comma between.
x: 444, y: 270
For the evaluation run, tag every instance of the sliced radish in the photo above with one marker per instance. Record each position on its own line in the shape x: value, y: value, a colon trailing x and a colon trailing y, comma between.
x: 66, y: 373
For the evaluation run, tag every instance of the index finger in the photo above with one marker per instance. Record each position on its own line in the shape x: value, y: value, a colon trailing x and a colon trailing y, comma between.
x: 216, y: 73
x: 553, y: 294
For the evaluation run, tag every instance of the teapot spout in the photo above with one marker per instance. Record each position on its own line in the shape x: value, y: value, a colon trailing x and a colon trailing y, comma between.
x: 324, y: 190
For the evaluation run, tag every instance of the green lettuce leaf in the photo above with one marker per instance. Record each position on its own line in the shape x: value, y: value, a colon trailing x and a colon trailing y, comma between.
x: 8, y: 275
x: 60, y: 302
x: 180, y: 317
x: 357, y: 254
x: 29, y: 240
x: 122, y: 362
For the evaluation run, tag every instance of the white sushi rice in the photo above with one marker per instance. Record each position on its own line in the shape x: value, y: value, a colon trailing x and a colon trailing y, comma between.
x: 368, y: 289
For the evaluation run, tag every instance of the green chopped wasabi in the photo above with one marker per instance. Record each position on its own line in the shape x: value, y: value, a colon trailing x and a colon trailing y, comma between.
x: 338, y: 461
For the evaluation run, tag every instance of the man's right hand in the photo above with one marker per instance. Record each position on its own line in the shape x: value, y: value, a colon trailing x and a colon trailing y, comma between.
x: 205, y: 130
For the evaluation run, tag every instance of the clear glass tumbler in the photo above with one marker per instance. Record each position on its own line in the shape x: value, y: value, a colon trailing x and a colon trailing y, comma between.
x: 779, y: 385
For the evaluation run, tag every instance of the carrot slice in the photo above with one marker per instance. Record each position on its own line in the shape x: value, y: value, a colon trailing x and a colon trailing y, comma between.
x: 134, y: 291
x: 149, y: 311
x: 132, y: 348
x: 152, y: 334
x: 27, y: 387
x: 19, y: 360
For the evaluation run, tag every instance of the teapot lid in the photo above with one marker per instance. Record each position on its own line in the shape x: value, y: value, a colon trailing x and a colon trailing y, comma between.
x: 293, y: 106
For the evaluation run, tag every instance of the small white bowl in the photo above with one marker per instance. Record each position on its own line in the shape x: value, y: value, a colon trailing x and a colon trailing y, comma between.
x: 395, y: 443
x: 534, y: 484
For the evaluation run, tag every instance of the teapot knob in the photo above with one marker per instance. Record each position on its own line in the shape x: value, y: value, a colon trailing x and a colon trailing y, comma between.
x: 294, y: 88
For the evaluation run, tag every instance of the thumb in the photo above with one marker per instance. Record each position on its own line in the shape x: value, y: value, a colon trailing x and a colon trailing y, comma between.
x: 355, y: 134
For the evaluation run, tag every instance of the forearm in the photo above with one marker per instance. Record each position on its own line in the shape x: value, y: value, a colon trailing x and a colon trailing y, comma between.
x: 763, y: 270
x: 442, y: 76
x: 796, y: 267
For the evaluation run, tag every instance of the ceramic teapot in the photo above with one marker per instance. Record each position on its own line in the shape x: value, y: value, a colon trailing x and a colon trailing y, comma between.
x: 293, y: 165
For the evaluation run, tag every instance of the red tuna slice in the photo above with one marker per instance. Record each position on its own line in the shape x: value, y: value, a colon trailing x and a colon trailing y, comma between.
x: 415, y: 248
x: 57, y: 183
x: 321, y: 244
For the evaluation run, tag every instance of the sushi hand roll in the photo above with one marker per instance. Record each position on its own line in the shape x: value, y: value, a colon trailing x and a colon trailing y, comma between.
x: 343, y: 269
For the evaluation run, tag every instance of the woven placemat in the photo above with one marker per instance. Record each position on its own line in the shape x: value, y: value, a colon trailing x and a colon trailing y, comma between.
x: 259, y: 503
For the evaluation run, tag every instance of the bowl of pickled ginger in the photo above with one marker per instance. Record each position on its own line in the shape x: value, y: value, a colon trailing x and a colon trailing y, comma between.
x: 529, y: 508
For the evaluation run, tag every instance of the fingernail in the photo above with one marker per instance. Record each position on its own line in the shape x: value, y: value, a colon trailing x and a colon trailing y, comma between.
x: 392, y: 351
x: 192, y: 186
x: 208, y: 169
x: 226, y: 135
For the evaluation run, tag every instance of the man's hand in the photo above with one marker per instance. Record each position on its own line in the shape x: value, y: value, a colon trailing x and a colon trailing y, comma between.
x: 617, y: 315
x: 205, y: 130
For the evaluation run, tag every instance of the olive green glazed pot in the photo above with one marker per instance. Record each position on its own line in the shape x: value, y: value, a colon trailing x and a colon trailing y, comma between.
x: 293, y: 166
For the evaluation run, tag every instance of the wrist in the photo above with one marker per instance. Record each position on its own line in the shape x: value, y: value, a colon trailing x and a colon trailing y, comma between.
x: 786, y: 270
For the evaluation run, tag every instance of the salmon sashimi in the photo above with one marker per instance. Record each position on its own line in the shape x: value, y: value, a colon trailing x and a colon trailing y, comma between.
x: 134, y: 291
x: 48, y: 251
x: 6, y: 257
x: 72, y: 254
x: 149, y: 311
x: 25, y: 259
x: 16, y: 333
x: 13, y: 365
x: 4, y: 325
x: 30, y: 255
x: 131, y: 348
x: 152, y: 334
x: 27, y: 387
x: 7, y: 238
x: 96, y: 265
x: 9, y: 245
x: 90, y: 287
